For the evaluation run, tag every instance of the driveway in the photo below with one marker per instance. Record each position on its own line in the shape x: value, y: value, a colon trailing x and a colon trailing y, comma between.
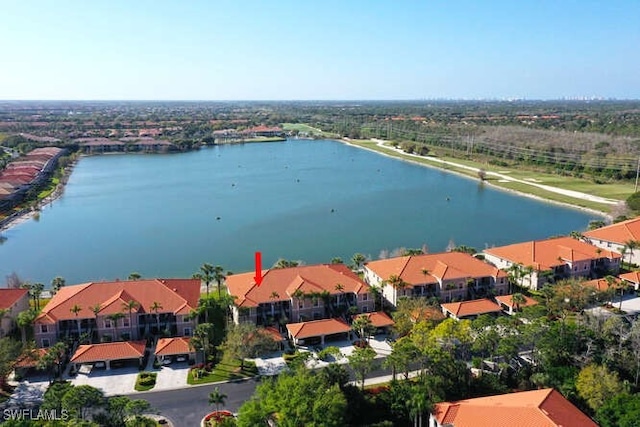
x: 630, y: 304
x: 172, y: 376
x: 112, y: 382
x: 270, y: 365
x: 28, y: 393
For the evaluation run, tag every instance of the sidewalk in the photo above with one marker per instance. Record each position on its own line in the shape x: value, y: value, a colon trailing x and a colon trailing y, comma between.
x: 384, y: 379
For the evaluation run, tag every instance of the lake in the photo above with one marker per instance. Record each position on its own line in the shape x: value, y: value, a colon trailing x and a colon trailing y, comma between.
x: 164, y: 215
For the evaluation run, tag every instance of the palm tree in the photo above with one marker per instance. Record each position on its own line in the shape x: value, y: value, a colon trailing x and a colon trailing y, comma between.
x: 299, y: 295
x: 130, y: 306
x: 340, y: 288
x: 56, y: 284
x: 613, y: 284
x: 37, y: 291
x: 396, y: 283
x: 75, y: 310
x: 218, y: 276
x: 95, y: 309
x: 25, y: 320
x: 274, y: 296
x: 363, y: 326
x: 217, y: 398
x: 155, y: 307
x: 115, y: 317
x: 516, y: 300
x: 357, y: 260
x: 514, y: 273
x: 337, y: 260
x: 630, y: 245
x: 205, y: 274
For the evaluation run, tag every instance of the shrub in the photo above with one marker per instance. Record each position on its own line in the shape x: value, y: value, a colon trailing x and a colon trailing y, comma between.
x: 633, y: 201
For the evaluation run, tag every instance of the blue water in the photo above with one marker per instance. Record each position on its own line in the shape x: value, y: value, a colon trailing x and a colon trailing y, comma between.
x: 303, y: 200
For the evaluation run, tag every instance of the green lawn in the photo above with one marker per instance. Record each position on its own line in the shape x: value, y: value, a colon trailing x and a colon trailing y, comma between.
x: 619, y: 191
x: 145, y: 381
x: 301, y: 127
x: 225, y: 371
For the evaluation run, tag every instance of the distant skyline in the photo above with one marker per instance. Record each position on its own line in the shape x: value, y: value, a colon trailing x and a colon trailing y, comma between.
x: 319, y: 50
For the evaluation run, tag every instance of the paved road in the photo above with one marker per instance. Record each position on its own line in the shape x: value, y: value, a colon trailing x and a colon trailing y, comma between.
x: 186, y: 407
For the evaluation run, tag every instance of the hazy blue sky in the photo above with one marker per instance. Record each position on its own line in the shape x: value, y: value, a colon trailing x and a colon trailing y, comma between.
x: 329, y: 49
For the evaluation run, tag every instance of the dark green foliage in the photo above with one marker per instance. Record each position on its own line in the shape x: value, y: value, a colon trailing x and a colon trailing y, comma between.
x: 633, y: 201
x: 293, y: 399
x: 622, y: 410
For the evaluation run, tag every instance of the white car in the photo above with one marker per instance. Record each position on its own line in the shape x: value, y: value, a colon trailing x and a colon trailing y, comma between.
x: 166, y: 361
x: 181, y: 358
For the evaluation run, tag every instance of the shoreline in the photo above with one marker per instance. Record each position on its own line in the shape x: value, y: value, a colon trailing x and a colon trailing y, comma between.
x: 400, y: 157
x: 27, y: 214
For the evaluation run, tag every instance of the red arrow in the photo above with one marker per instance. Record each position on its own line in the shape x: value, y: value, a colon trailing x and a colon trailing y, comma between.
x: 258, y: 277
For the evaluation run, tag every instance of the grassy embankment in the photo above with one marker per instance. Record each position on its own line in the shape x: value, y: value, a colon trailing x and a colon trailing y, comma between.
x: 225, y: 370
x: 618, y: 191
x: 311, y: 131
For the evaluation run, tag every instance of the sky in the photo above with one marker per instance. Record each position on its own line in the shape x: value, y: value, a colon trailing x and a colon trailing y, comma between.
x: 318, y: 50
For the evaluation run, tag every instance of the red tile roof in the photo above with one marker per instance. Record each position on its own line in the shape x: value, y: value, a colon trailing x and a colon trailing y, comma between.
x: 506, y: 300
x: 379, y: 319
x: 178, y: 296
x: 274, y: 333
x: 601, y: 284
x: 546, y: 254
x: 620, y: 232
x: 30, y: 359
x: 429, y: 268
x: 8, y: 297
x: 316, y: 328
x: 633, y: 276
x: 471, y: 308
x: 536, y: 408
x: 108, y: 351
x: 171, y: 346
x: 285, y: 281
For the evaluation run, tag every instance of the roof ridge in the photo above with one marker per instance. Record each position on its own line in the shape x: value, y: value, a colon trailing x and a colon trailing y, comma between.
x: 71, y: 295
x: 404, y: 267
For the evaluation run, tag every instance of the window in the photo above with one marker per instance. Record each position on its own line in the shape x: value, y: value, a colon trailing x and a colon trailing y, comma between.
x: 585, y: 267
x: 44, y: 329
x: 107, y: 323
x: 187, y: 332
x: 301, y: 304
x: 316, y: 302
x: 45, y: 342
x: 365, y: 309
x: 365, y: 297
x: 125, y: 322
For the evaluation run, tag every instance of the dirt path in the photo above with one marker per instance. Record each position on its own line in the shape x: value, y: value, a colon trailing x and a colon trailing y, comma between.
x: 504, y: 177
